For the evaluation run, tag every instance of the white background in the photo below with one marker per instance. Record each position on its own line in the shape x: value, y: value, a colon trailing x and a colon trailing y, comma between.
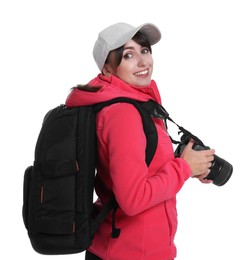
x: 202, y: 68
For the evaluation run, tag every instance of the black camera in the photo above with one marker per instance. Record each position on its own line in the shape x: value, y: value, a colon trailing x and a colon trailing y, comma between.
x: 220, y: 171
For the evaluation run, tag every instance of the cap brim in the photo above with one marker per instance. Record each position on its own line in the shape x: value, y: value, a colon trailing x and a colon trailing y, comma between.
x: 151, y: 31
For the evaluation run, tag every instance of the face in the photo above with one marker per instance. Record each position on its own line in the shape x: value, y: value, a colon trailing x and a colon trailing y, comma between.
x: 136, y: 65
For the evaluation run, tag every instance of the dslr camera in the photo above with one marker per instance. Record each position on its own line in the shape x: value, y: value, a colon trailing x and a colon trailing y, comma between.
x: 220, y: 171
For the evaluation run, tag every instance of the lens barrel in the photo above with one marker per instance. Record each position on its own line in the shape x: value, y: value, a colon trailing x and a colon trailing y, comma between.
x: 220, y: 171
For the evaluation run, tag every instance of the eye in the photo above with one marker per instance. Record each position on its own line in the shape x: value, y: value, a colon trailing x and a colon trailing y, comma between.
x: 127, y: 55
x: 145, y: 50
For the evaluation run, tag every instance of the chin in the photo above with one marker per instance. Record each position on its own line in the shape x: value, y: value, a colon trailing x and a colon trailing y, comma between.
x: 142, y: 84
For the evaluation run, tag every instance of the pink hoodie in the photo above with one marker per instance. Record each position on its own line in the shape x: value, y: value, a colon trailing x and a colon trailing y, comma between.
x: 146, y: 195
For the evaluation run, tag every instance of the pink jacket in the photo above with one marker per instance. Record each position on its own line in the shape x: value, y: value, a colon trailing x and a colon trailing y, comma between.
x: 146, y: 195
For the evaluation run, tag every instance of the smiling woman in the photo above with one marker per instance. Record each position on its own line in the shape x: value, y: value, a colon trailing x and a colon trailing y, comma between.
x: 136, y: 65
x: 132, y: 62
x: 146, y: 194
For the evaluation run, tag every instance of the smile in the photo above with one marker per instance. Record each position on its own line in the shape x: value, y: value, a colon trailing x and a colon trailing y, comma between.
x: 144, y: 72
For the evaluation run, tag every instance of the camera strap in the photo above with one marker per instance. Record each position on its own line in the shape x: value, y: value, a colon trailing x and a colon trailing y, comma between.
x: 158, y: 111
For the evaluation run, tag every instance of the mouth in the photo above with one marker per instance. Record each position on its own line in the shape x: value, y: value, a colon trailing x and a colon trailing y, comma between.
x: 142, y: 73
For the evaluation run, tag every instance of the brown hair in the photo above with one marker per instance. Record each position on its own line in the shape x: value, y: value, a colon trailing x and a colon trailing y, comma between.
x: 87, y: 87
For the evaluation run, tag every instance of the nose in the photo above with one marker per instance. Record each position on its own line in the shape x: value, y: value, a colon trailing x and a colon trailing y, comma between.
x: 142, y: 61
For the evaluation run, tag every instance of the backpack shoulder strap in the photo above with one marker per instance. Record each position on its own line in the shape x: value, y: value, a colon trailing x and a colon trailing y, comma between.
x: 148, y: 124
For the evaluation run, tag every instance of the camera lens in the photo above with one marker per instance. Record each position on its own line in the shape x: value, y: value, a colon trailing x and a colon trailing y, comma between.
x: 220, y: 171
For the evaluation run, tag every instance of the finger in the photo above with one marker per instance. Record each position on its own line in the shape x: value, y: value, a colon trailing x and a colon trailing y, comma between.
x: 202, y: 176
x: 190, y: 144
x: 210, y: 158
x: 205, y: 181
x: 209, y: 152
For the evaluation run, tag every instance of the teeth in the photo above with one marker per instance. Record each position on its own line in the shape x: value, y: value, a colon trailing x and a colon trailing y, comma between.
x: 142, y: 72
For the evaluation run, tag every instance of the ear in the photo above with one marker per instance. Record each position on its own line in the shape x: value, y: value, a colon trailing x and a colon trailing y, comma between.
x: 107, y: 71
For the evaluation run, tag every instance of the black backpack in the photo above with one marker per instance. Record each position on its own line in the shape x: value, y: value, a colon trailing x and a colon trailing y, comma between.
x: 59, y: 186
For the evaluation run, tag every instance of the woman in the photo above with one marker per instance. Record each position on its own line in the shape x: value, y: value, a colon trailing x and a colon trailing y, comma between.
x: 146, y: 195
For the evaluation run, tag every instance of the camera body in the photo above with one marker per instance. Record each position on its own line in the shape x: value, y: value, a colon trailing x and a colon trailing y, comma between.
x: 220, y: 171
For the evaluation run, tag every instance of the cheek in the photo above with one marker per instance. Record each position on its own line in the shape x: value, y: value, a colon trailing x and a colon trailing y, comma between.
x: 150, y: 60
x: 123, y: 71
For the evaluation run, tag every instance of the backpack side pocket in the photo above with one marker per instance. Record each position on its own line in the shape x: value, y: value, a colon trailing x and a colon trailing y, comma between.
x: 26, y: 195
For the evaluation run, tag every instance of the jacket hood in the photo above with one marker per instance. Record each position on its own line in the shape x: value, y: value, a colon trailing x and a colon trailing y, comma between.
x: 111, y: 87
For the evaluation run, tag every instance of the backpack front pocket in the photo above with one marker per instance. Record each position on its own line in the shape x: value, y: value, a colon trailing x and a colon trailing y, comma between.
x: 56, y: 202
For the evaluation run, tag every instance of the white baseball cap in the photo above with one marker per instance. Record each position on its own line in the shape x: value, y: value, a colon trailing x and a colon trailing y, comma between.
x: 118, y: 35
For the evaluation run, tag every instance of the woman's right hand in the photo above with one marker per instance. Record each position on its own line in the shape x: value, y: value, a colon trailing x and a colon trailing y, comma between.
x: 199, y: 161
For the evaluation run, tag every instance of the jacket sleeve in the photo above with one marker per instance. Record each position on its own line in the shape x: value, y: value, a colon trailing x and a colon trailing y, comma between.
x: 137, y: 187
